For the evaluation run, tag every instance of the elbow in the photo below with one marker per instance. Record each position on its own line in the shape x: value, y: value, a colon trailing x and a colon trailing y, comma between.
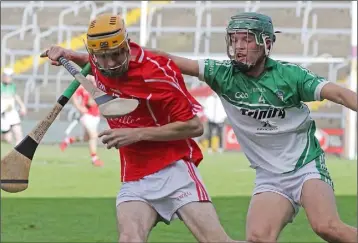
x: 340, y: 99
x: 197, y: 129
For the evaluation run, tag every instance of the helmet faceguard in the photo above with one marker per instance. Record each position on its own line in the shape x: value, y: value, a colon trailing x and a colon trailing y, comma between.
x: 108, y: 45
x: 247, y: 36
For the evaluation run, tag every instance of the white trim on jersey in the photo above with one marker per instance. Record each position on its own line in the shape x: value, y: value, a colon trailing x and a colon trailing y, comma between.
x: 175, y: 74
x: 141, y: 56
x: 151, y: 111
x: 190, y: 149
x: 201, y: 64
x: 124, y: 169
x: 195, y: 108
x: 317, y: 92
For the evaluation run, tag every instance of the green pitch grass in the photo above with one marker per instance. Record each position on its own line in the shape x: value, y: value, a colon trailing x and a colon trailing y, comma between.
x: 68, y: 200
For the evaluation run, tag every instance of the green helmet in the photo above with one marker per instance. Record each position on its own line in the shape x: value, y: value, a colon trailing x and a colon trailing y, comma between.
x: 250, y: 22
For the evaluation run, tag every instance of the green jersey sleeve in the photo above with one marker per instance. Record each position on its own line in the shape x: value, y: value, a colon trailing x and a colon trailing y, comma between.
x: 9, y: 89
x: 309, y: 85
x: 214, y: 73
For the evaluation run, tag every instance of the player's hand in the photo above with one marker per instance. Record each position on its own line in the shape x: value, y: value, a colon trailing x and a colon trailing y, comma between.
x: 55, y: 52
x: 91, y: 102
x: 119, y: 137
x: 23, y: 111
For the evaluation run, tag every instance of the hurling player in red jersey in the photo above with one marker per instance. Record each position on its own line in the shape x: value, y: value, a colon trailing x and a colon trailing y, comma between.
x: 158, y: 156
x: 90, y: 118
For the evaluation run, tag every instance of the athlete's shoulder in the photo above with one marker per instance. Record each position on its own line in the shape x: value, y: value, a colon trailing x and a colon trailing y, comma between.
x: 148, y: 62
x: 213, y: 64
x: 289, y: 67
x: 210, y: 68
x: 225, y: 63
x: 145, y: 57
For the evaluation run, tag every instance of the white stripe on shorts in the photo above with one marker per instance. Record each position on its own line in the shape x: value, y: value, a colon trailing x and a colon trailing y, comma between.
x: 202, y: 193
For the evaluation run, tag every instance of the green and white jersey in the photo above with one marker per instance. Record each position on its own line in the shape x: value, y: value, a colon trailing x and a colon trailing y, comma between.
x: 8, y: 92
x: 268, y: 116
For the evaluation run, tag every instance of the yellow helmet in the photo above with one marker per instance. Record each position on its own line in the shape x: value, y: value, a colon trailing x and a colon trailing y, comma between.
x: 107, y: 42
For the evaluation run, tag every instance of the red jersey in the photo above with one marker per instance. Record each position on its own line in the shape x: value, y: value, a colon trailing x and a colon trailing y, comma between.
x: 156, y: 82
x: 92, y: 109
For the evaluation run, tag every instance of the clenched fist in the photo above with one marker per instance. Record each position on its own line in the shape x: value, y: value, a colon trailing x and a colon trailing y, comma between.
x: 55, y: 52
x: 120, y: 137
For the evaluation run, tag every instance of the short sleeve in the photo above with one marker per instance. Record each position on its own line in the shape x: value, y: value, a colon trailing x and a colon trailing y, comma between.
x: 310, y: 85
x: 179, y: 108
x: 213, y: 72
x: 166, y: 84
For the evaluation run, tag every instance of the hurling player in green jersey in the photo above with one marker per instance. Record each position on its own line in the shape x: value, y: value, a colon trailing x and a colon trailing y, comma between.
x: 264, y: 100
x: 10, y: 116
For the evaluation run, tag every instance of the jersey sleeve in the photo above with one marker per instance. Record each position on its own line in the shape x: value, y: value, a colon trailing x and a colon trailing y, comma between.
x: 310, y: 85
x: 166, y: 84
x: 179, y: 108
x: 210, y: 71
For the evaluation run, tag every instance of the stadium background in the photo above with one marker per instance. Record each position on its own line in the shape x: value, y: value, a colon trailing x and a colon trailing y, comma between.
x: 315, y: 34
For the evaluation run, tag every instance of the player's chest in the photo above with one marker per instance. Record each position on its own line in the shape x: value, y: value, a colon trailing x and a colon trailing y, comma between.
x: 146, y: 114
x: 265, y: 90
x: 7, y: 91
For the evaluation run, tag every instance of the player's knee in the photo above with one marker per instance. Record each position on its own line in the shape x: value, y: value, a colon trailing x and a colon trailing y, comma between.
x: 132, y: 235
x: 261, y: 235
x: 326, y: 228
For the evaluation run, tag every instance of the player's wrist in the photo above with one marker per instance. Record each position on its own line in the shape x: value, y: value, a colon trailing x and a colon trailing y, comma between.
x: 142, y: 134
x: 79, y: 58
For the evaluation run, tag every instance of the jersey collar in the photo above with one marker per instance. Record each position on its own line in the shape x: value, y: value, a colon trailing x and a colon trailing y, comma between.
x: 269, y: 64
x: 137, y: 51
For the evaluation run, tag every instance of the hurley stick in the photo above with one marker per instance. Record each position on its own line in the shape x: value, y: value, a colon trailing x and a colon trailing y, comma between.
x: 15, y: 166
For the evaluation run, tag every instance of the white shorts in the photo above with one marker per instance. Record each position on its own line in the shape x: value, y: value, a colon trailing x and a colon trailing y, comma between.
x: 167, y: 190
x: 90, y: 122
x: 289, y: 185
x: 9, y: 119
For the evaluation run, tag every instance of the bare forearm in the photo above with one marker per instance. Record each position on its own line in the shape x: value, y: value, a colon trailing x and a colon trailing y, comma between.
x: 81, y: 59
x: 170, y: 132
x: 349, y: 100
x: 159, y: 53
x: 19, y: 101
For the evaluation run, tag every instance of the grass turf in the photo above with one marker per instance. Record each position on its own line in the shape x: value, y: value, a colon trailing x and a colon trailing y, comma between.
x: 69, y: 200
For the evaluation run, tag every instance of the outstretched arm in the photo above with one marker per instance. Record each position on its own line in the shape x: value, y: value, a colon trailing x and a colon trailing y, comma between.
x: 340, y: 95
x: 21, y: 104
x: 187, y: 66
